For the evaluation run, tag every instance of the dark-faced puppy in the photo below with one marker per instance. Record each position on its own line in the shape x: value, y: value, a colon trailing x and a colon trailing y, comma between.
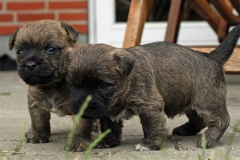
x: 150, y: 81
x: 42, y: 49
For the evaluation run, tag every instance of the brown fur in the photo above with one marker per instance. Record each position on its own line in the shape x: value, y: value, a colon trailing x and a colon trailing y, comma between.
x: 44, y: 71
x: 150, y: 81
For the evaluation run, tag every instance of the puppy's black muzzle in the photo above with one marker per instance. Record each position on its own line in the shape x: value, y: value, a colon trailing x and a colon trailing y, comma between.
x: 31, y: 65
x: 94, y: 110
x: 34, y: 70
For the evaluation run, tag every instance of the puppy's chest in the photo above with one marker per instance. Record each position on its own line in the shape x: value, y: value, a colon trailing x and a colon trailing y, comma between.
x: 59, y: 104
x: 124, y: 114
x: 55, y: 102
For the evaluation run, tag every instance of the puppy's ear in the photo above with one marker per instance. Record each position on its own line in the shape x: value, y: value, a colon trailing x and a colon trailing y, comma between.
x: 12, y: 40
x: 125, y: 61
x: 72, y: 32
x: 63, y: 64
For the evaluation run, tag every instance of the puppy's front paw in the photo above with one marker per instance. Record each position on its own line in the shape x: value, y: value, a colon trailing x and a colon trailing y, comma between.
x: 147, y: 145
x: 78, y: 146
x: 96, y: 126
x: 108, y: 143
x: 141, y: 147
x: 33, y: 137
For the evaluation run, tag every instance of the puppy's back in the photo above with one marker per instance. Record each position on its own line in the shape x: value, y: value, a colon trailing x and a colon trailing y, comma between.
x: 179, y: 73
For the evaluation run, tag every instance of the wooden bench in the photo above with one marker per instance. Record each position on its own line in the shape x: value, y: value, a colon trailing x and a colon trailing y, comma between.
x: 220, y: 23
x: 232, y: 66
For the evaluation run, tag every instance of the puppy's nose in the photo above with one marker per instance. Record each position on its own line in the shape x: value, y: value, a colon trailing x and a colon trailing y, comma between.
x: 31, y: 65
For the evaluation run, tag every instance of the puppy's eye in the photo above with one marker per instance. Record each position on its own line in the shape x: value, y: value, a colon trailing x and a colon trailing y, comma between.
x: 19, y: 52
x: 51, y: 50
x: 103, y: 86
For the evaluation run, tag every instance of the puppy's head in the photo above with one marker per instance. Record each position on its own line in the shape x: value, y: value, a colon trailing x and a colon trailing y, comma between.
x: 101, y: 71
x: 42, y: 50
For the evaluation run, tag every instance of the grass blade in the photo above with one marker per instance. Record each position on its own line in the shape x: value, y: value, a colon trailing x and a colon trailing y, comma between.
x: 95, y: 142
x: 203, y: 144
x: 4, y: 155
x: 75, y: 123
x: 5, y: 93
x: 227, y: 155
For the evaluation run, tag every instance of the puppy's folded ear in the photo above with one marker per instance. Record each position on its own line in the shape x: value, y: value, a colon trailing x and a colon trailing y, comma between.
x: 125, y: 61
x: 12, y: 40
x: 72, y: 32
x: 63, y: 65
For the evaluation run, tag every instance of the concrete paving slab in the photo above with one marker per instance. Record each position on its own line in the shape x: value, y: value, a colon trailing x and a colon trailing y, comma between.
x: 15, y: 120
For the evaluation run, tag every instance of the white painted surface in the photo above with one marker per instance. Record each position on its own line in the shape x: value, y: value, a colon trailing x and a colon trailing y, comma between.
x: 103, y: 28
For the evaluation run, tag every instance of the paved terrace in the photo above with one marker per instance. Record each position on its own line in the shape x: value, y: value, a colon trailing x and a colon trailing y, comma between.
x: 15, y: 120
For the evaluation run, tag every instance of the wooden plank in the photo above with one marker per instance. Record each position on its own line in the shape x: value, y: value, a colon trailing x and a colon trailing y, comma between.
x: 226, y: 12
x: 203, y: 8
x: 136, y: 19
x: 174, y: 19
x: 236, y: 4
x: 232, y: 66
x: 222, y: 30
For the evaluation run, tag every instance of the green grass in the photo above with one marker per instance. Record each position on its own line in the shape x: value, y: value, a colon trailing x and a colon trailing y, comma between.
x: 76, y: 122
x: 20, y: 146
x: 94, y: 143
x: 203, y: 144
x: 18, y: 149
x: 235, y: 129
x: 229, y: 146
x: 4, y: 155
x: 5, y: 93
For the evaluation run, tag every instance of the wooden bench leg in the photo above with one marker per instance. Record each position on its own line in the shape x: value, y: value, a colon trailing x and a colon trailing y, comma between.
x: 236, y: 4
x: 136, y: 18
x: 222, y: 30
x: 218, y: 24
x: 174, y: 19
x: 203, y: 8
x: 225, y: 11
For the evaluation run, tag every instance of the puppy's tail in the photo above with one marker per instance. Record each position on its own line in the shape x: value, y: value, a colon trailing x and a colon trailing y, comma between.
x: 223, y: 52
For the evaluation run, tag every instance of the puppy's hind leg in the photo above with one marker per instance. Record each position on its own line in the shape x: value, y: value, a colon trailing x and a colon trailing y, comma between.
x: 217, y: 122
x: 192, y: 127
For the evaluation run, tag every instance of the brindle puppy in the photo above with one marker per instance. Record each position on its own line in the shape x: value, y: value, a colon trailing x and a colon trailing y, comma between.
x: 150, y: 81
x: 42, y: 49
